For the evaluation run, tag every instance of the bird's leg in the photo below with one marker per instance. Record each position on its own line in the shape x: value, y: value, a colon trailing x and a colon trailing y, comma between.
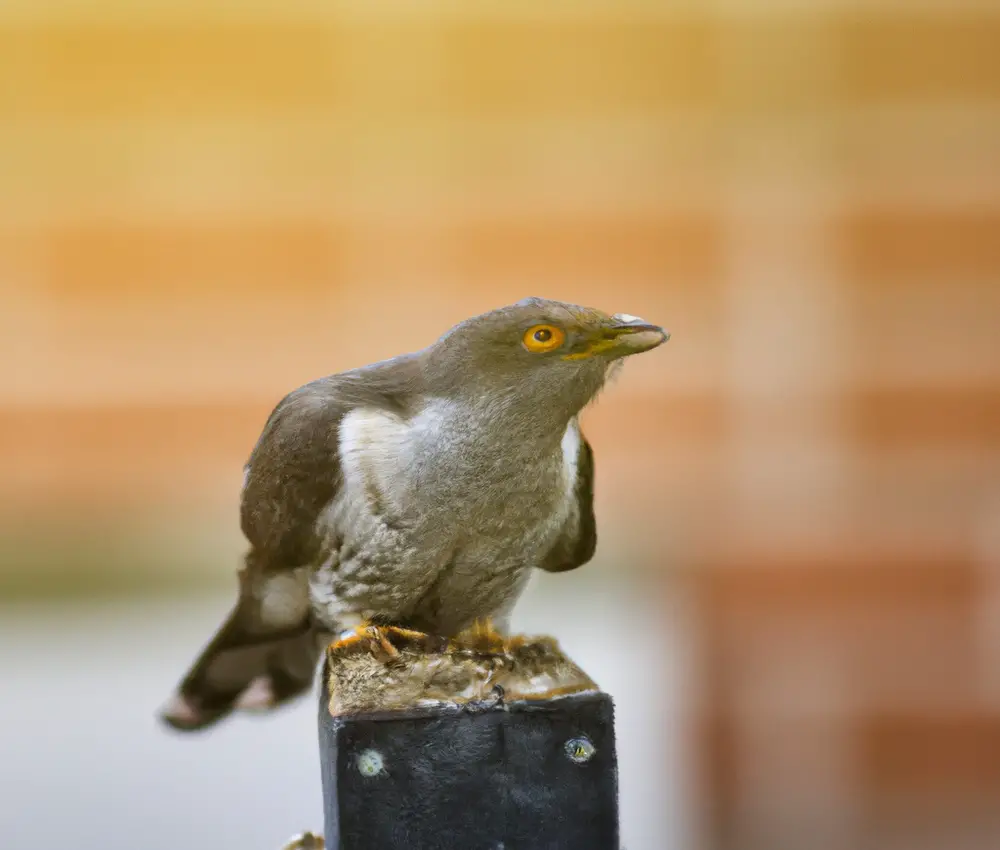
x: 364, y: 633
x: 380, y: 643
x: 483, y: 637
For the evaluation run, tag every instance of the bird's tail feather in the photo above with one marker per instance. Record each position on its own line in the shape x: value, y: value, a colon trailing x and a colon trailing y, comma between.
x: 245, y: 667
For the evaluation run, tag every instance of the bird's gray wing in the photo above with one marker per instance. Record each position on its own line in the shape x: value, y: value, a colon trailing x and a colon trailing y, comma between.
x: 266, y: 651
x: 578, y: 540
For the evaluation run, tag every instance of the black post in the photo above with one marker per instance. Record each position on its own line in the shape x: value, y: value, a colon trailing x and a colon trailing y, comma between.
x: 478, y: 744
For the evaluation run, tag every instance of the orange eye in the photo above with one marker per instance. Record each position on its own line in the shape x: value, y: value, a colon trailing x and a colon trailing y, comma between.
x: 542, y: 338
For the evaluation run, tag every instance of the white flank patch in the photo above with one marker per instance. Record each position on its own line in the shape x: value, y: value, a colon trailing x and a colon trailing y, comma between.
x: 284, y: 599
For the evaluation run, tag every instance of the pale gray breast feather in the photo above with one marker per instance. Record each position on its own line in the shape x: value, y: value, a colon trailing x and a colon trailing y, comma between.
x: 378, y: 451
x: 284, y: 598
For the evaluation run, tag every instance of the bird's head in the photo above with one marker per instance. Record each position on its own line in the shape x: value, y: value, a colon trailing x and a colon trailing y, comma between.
x: 537, y: 353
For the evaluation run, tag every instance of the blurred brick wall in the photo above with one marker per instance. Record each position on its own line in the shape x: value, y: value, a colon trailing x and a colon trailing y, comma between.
x: 208, y: 205
x: 203, y: 205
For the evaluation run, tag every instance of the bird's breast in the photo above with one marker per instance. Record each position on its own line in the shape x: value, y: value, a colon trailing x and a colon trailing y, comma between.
x: 451, y: 469
x: 434, y: 523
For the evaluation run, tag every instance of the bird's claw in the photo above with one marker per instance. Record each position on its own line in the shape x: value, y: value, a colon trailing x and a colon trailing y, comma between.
x: 380, y: 641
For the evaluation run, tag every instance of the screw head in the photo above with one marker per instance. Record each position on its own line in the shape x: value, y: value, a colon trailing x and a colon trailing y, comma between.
x: 579, y: 750
x: 370, y: 763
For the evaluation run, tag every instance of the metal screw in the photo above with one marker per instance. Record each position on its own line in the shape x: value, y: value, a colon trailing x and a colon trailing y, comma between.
x: 580, y: 750
x: 370, y: 763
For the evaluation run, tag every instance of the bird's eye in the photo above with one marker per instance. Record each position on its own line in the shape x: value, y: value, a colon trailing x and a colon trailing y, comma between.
x: 542, y: 338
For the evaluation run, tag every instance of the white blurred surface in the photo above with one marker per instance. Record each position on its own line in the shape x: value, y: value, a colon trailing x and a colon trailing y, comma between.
x: 86, y: 765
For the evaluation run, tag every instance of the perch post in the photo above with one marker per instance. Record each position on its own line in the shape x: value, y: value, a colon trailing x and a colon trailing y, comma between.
x: 480, y: 742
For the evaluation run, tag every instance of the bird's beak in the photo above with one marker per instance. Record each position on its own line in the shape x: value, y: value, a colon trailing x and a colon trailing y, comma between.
x: 632, y: 336
x: 621, y: 336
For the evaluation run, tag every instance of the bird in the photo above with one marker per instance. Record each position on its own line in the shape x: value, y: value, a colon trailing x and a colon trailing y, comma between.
x: 419, y: 492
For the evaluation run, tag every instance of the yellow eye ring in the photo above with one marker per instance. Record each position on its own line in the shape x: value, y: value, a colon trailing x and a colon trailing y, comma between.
x: 542, y: 338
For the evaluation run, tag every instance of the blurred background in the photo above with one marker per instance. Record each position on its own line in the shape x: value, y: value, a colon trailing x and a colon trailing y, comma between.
x: 796, y: 598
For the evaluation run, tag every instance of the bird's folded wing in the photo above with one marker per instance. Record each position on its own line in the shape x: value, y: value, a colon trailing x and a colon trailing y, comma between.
x: 578, y: 540
x: 266, y: 651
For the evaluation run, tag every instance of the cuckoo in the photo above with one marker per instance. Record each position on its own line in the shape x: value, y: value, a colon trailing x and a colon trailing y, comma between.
x: 419, y: 492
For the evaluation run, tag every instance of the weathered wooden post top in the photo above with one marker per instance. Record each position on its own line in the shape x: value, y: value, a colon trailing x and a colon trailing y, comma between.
x: 475, y: 742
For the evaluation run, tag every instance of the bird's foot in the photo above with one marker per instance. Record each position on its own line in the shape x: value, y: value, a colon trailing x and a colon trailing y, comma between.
x: 381, y: 641
x: 305, y: 841
x: 384, y: 642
